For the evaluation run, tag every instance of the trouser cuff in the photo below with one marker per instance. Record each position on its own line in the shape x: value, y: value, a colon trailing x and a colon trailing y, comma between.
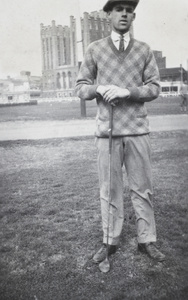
x: 151, y: 239
x: 111, y: 241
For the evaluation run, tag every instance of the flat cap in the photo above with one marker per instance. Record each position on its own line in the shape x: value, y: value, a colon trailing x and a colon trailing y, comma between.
x: 110, y: 3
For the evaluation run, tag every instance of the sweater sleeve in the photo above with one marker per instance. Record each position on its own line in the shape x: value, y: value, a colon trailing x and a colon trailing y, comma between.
x: 151, y: 81
x: 85, y: 84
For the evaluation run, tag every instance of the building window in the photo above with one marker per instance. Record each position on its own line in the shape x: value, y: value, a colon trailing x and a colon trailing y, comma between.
x: 102, y: 25
x: 59, y: 51
x: 174, y: 88
x: 70, y: 79
x: 47, y: 53
x: 44, y: 53
x: 51, y: 51
x: 58, y: 83
x: 64, y: 80
x: 165, y: 89
x: 74, y: 47
x: 64, y: 51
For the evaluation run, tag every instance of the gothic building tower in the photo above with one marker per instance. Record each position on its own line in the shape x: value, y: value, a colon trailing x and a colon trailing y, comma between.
x: 59, y: 61
x: 60, y: 53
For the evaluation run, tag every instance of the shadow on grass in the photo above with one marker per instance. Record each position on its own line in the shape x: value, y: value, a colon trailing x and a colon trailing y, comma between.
x: 51, y: 224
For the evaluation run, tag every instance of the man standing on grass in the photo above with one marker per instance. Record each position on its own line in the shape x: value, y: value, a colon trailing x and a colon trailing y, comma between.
x: 121, y: 71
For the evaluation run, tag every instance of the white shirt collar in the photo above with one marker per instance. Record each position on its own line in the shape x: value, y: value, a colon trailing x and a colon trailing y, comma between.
x: 116, y: 36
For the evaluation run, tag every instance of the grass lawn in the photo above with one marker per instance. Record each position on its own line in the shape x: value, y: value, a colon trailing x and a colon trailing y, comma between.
x: 71, y: 110
x: 51, y: 225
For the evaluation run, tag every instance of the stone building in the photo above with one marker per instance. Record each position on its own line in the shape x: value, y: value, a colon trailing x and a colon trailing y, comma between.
x: 60, y: 51
x: 59, y: 57
x: 94, y: 26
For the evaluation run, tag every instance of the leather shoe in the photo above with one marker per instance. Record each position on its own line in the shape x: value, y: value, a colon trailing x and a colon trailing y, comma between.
x: 100, y: 255
x: 151, y: 251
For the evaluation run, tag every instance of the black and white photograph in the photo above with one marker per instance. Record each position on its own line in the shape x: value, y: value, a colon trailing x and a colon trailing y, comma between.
x: 94, y: 150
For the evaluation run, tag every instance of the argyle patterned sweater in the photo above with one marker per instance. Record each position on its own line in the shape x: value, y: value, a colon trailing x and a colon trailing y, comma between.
x: 134, y: 69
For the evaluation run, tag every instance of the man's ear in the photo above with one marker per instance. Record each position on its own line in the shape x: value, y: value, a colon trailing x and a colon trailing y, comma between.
x: 134, y: 16
x: 109, y: 14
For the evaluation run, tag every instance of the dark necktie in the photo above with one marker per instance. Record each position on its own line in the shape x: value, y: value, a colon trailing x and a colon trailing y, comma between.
x: 121, y: 44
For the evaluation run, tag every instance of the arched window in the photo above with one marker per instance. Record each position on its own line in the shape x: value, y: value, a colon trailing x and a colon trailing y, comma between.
x: 70, y: 79
x: 58, y: 83
x: 64, y: 80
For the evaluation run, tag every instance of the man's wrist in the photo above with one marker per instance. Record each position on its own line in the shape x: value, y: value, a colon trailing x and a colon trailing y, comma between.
x: 100, y: 90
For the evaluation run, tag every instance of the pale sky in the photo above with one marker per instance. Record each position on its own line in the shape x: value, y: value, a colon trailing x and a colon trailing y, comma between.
x: 163, y: 24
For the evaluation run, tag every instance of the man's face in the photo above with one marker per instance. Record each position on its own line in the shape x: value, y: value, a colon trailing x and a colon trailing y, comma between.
x: 121, y: 16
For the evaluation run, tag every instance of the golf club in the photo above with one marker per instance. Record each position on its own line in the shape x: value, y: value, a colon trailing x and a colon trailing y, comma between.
x: 104, y: 266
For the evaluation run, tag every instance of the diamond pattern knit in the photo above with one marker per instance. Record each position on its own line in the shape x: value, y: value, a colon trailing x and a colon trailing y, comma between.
x: 134, y: 69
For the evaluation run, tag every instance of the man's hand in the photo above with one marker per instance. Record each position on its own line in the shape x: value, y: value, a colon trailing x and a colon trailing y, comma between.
x: 112, y: 93
x: 101, y: 89
x: 115, y: 92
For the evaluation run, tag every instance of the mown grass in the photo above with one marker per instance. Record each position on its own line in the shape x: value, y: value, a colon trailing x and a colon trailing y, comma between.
x: 51, y: 225
x: 71, y: 110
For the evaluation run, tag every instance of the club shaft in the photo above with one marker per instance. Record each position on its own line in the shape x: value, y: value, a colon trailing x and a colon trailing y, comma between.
x: 109, y: 173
